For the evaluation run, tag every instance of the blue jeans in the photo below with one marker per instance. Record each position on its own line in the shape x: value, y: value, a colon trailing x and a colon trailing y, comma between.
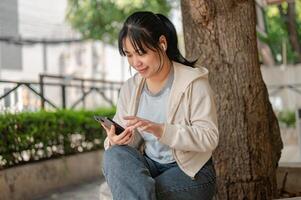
x: 131, y: 175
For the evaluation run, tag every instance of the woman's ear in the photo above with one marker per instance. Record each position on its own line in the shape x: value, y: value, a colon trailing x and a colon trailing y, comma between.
x: 163, y: 42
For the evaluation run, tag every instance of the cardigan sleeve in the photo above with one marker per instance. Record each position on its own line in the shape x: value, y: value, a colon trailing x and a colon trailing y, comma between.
x: 201, y: 133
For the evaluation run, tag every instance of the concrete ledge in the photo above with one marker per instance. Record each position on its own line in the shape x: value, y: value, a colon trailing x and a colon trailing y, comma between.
x: 33, y: 180
x: 292, y: 184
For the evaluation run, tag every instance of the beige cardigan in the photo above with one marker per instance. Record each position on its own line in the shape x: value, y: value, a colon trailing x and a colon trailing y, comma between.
x: 191, y: 126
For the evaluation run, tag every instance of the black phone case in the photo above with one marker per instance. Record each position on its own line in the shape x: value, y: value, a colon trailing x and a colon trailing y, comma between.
x: 118, y: 129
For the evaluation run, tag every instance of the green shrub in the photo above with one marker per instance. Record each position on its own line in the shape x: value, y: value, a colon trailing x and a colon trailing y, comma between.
x: 288, y: 118
x: 29, y: 137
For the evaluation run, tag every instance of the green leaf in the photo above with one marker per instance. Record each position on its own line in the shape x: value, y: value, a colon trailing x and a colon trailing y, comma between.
x: 102, y: 19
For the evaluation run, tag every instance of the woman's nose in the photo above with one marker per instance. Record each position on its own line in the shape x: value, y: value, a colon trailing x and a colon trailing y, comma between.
x: 136, y: 61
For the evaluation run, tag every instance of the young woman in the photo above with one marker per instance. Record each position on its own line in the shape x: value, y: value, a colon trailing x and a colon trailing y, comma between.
x: 169, y: 116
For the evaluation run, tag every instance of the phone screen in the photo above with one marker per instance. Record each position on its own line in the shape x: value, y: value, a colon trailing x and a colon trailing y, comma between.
x: 108, y: 122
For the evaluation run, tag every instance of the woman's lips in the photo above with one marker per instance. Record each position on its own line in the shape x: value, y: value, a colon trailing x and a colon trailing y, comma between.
x: 142, y: 70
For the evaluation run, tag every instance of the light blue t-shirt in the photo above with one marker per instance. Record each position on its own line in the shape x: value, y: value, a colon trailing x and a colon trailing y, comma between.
x: 153, y: 107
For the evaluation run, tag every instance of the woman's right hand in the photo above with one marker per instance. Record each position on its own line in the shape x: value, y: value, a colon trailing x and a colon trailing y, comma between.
x: 123, y: 138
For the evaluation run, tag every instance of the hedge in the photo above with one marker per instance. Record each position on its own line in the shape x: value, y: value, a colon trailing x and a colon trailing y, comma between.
x: 30, y: 137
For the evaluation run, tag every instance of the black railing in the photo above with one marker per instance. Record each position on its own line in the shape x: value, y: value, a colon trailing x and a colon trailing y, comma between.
x: 274, y: 89
x: 87, y: 86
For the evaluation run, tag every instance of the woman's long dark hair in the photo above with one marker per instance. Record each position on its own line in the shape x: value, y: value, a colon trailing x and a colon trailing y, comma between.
x: 145, y: 28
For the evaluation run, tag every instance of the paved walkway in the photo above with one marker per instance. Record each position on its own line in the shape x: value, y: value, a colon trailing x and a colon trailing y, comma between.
x: 94, y: 190
x: 84, y: 191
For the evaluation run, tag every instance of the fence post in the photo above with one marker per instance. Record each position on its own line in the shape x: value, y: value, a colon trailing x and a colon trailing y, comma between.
x: 298, y: 126
x: 41, y: 79
x: 112, y: 91
x: 64, y: 96
x: 83, y: 92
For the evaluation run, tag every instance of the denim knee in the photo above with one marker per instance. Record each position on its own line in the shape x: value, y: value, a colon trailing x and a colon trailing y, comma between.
x: 126, y: 173
x: 112, y: 154
x: 116, y: 157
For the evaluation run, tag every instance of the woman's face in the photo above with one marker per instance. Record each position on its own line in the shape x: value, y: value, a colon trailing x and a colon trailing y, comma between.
x: 145, y: 64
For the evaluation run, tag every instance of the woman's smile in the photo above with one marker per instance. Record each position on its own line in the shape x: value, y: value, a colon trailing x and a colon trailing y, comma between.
x: 142, y: 70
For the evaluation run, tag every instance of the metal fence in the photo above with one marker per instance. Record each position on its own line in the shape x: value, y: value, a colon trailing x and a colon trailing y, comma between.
x: 274, y: 89
x: 107, y: 90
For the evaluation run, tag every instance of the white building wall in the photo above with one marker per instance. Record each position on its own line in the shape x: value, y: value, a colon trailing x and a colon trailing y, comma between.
x: 10, y: 57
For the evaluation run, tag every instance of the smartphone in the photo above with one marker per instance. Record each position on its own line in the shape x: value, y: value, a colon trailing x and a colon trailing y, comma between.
x: 108, y: 122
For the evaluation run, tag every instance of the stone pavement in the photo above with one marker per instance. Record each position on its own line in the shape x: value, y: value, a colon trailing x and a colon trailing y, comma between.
x: 93, y: 190
x: 85, y: 191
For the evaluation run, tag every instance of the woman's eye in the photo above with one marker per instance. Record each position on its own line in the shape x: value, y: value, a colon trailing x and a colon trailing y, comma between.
x: 140, y: 53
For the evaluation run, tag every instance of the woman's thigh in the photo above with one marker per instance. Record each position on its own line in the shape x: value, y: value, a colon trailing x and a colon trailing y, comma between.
x: 127, y: 174
x: 174, y: 184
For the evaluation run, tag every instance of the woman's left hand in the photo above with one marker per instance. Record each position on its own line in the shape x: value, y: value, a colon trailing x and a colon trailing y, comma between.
x: 145, y: 125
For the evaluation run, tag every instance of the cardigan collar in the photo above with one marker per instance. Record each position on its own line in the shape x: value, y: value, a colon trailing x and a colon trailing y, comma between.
x: 179, y: 86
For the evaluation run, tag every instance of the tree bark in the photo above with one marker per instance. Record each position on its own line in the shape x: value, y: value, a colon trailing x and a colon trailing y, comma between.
x: 222, y: 35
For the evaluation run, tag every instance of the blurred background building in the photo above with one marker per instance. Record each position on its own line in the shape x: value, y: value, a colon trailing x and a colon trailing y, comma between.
x: 35, y: 39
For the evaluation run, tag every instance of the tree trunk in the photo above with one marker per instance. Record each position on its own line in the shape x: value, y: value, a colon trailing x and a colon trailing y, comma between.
x: 222, y: 35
